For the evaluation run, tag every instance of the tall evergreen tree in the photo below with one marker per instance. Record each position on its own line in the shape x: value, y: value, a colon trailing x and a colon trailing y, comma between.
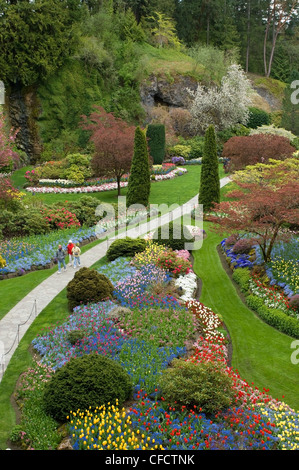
x: 139, y: 181
x: 209, y: 192
x: 36, y: 38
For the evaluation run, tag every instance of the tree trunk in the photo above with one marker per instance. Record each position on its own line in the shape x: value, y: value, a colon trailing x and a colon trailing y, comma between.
x: 271, y: 55
x: 271, y: 244
x: 248, y: 35
x: 118, y: 185
x: 23, y: 110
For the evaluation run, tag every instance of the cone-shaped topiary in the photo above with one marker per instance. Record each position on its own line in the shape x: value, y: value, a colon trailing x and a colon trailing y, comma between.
x: 88, y: 286
x: 140, y: 179
x: 209, y: 192
x: 90, y: 380
x: 156, y: 142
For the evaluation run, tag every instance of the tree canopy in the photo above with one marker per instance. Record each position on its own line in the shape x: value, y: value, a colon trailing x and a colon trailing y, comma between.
x: 263, y: 211
x: 36, y: 37
x: 113, y: 141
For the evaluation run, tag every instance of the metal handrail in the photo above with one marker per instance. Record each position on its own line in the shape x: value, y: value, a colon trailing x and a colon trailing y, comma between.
x: 17, y: 337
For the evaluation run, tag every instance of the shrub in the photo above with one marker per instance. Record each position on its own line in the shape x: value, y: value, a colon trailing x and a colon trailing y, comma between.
x: 84, y: 208
x: 274, y: 316
x: 203, y: 385
x: 181, y: 151
x: 28, y: 221
x: 88, y: 381
x: 294, y: 302
x: 242, y: 276
x: 231, y: 240
x: 175, y: 237
x: 74, y: 173
x: 252, y: 149
x: 88, y: 286
x: 197, y: 147
x: 156, y: 142
x: 78, y: 159
x: 257, y: 118
x: 59, y: 218
x: 51, y: 170
x: 273, y: 130
x: 279, y: 320
x: 178, y: 160
x: 242, y: 246
x: 171, y: 262
x: 254, y: 302
x: 125, y: 247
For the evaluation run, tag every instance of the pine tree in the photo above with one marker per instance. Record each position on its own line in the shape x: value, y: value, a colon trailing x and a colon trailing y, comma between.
x: 209, y: 192
x: 139, y: 180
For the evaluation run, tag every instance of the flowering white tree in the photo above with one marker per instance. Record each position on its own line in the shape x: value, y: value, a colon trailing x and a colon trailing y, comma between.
x: 223, y: 106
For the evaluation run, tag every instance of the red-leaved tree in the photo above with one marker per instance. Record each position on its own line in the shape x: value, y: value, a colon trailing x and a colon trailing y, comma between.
x: 8, y: 158
x: 113, y: 140
x: 261, y: 210
x: 258, y: 148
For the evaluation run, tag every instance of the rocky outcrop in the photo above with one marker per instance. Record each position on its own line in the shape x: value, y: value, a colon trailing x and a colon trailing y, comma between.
x: 171, y: 92
x: 273, y: 103
x: 24, y: 110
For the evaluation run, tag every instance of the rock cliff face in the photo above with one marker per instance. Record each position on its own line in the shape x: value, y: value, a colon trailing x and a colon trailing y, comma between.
x: 170, y: 92
x: 24, y: 111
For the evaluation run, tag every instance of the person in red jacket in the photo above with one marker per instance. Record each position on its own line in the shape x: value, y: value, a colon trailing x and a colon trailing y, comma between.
x: 70, y: 247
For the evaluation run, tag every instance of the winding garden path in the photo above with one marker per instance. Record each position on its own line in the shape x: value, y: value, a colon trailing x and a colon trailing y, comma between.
x: 17, y: 321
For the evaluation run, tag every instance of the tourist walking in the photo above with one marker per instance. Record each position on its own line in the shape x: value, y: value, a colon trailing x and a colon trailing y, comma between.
x: 76, y: 253
x: 60, y: 255
x: 70, y: 247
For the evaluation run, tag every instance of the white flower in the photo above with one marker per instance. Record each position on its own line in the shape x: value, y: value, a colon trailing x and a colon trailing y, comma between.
x: 188, y: 283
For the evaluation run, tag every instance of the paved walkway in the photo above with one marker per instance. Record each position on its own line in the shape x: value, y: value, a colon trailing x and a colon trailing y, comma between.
x: 17, y: 321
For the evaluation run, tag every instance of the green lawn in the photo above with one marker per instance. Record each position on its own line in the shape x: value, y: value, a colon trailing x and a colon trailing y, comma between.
x: 261, y: 354
x: 174, y: 191
x: 18, y: 177
x: 177, y: 190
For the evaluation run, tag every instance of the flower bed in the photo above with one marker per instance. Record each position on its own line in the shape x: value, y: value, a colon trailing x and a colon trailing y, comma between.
x: 270, y: 299
x: 282, y: 270
x: 38, y: 252
x: 144, y: 339
x: 91, y: 187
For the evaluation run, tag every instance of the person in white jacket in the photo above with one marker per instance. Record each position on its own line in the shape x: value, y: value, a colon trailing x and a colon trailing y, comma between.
x: 76, y: 254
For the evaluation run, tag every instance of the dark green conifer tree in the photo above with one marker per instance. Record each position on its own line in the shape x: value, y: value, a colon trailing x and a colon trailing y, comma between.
x: 156, y: 142
x: 140, y: 180
x: 209, y: 192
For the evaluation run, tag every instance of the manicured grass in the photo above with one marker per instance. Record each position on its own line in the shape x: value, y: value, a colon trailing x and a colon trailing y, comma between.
x: 13, y: 290
x: 261, y: 354
x: 177, y: 190
x: 18, y: 177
